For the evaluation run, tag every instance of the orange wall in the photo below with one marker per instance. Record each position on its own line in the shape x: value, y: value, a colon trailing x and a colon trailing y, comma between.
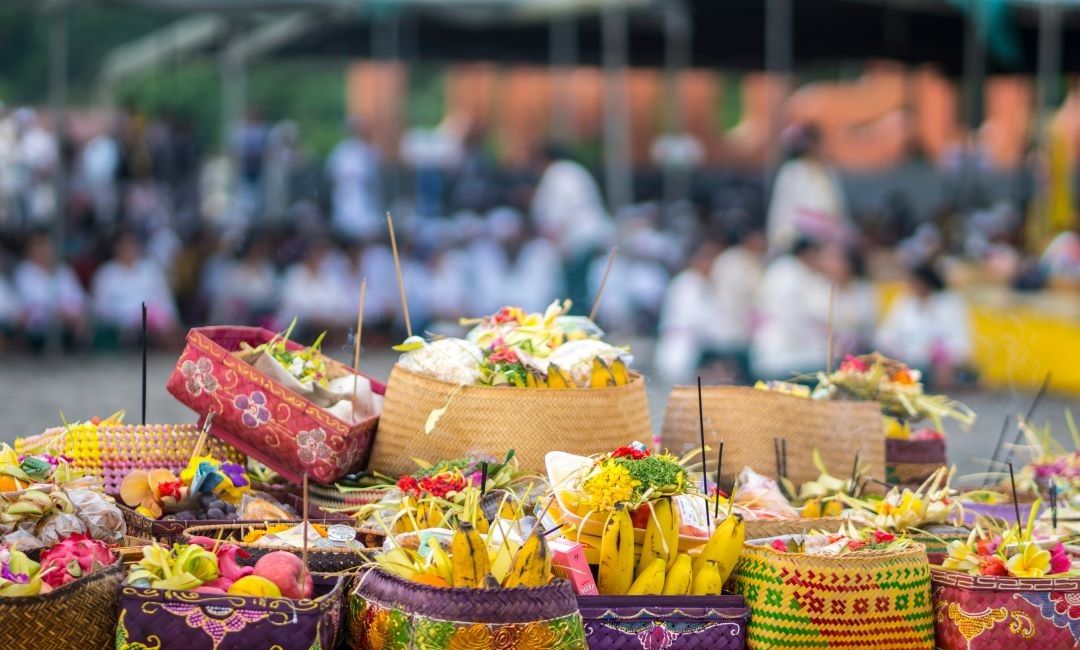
x: 869, y: 122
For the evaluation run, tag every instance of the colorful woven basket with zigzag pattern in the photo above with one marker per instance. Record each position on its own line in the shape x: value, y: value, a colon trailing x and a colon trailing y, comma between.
x: 864, y: 600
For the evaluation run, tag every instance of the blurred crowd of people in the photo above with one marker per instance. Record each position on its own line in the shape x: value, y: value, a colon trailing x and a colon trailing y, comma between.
x: 736, y: 283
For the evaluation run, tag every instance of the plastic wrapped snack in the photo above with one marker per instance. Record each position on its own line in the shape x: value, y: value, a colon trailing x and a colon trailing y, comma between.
x: 103, y: 519
x: 451, y: 360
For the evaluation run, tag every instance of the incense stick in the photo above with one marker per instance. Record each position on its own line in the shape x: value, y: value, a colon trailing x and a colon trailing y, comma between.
x: 144, y: 347
x: 854, y: 473
x: 719, y: 464
x: 603, y: 283
x: 483, y: 477
x: 305, y: 552
x: 356, y: 342
x: 1016, y: 504
x: 704, y: 471
x: 1053, y: 505
x: 1031, y: 409
x: 828, y: 343
x: 783, y: 455
x: 201, y: 441
x: 997, y: 447
x: 397, y: 269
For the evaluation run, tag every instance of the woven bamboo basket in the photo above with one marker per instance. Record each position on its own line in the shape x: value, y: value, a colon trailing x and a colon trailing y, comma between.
x: 487, y: 419
x: 762, y: 528
x: 995, y: 613
x: 747, y: 421
x: 80, y: 614
x: 386, y: 612
x: 320, y: 560
x: 910, y: 462
x: 866, y: 600
x: 186, y: 620
x: 110, y: 452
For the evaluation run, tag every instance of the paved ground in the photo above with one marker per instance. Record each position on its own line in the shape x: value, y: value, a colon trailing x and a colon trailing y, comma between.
x: 35, y: 391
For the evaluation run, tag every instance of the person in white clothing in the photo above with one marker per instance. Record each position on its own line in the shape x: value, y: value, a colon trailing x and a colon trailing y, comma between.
x: 793, y: 304
x: 353, y: 169
x: 50, y: 293
x: 310, y: 294
x: 807, y: 199
x: 120, y: 287
x: 735, y: 277
x: 685, y: 332
x: 928, y: 327
x: 854, y: 301
x: 567, y: 206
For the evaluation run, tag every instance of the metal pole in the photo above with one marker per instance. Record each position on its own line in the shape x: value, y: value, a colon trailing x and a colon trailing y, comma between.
x: 677, y: 35
x: 974, y: 65
x: 779, y: 62
x: 617, y: 169
x: 1049, y: 62
x: 386, y: 48
x: 563, y: 46
x: 58, y: 92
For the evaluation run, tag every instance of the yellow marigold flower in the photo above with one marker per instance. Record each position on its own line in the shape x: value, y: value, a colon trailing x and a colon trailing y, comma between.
x: 609, y: 484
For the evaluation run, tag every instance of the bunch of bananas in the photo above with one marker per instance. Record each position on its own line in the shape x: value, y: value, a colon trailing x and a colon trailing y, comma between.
x: 657, y: 566
x: 601, y: 375
x: 32, y: 505
x: 472, y: 563
x: 822, y: 496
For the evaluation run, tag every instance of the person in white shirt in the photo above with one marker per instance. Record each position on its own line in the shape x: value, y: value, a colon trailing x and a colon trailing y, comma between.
x: 854, y: 301
x: 807, y: 199
x: 685, y: 318
x: 353, y: 169
x: 567, y: 205
x: 928, y: 327
x: 735, y: 277
x: 249, y: 286
x: 310, y: 294
x: 50, y: 293
x: 793, y: 304
x: 120, y: 287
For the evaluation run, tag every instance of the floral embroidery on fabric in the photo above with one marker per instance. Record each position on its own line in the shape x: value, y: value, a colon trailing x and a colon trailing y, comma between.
x: 311, y: 446
x: 215, y: 628
x: 254, y: 408
x: 198, y: 376
x: 1062, y: 608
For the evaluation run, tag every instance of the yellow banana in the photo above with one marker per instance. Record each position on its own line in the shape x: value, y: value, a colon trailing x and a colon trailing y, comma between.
x: 812, y: 508
x: 557, y: 377
x: 707, y: 580
x: 468, y: 557
x: 619, y: 373
x: 440, y: 562
x: 398, y: 562
x: 651, y: 580
x: 721, y: 541
x: 421, y: 515
x: 661, y: 535
x: 532, y: 565
x: 677, y: 581
x: 729, y: 556
x: 616, y: 553
x: 832, y: 509
x: 600, y: 376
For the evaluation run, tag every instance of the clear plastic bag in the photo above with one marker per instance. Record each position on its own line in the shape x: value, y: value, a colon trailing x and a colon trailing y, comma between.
x: 103, y: 519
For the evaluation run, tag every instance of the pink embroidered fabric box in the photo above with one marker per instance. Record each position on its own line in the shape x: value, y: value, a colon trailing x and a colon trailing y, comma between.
x: 262, y: 418
x: 1003, y: 613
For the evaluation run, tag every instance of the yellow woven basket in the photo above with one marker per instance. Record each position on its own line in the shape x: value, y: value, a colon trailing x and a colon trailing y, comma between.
x: 748, y: 420
x: 485, y: 419
x: 865, y: 600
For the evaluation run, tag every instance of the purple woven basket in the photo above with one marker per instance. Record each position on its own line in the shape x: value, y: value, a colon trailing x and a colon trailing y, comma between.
x: 388, y: 612
x: 1004, y: 511
x: 670, y: 622
x: 186, y: 620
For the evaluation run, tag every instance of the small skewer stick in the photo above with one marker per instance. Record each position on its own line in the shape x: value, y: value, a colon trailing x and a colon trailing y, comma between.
x: 144, y: 347
x: 603, y: 283
x: 829, y: 341
x: 1053, y: 505
x: 884, y: 484
x: 704, y: 472
x: 201, y: 441
x: 483, y: 477
x: 719, y: 464
x: 783, y: 456
x: 1016, y: 504
x: 304, y: 555
x: 554, y: 529
x: 356, y: 340
x: 397, y: 269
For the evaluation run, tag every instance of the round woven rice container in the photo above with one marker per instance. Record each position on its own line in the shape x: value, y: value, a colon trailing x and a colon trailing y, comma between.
x: 491, y: 420
x: 386, y: 612
x: 80, y: 614
x: 865, y: 600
